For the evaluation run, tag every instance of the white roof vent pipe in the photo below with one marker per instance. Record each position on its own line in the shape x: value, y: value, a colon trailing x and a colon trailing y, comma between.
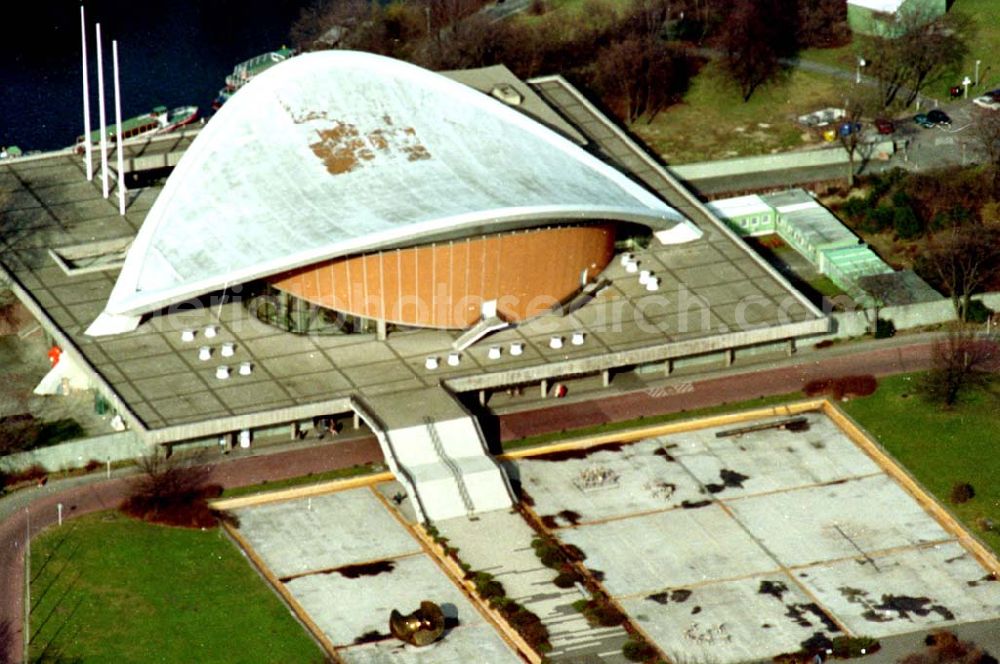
x: 507, y: 93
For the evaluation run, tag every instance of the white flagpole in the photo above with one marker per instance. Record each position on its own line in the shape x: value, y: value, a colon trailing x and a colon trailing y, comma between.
x: 100, y: 103
x: 88, y: 148
x: 118, y: 123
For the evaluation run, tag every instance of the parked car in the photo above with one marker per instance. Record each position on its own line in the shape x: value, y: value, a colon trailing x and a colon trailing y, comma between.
x: 884, y: 126
x: 921, y: 119
x: 846, y: 128
x: 937, y: 116
x: 990, y: 100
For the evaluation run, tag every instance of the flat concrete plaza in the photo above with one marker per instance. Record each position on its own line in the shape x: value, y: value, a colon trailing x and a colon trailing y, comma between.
x: 741, y: 547
x: 347, y: 562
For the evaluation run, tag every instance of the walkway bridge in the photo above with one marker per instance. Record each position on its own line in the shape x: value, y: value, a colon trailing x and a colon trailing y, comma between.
x: 437, y: 451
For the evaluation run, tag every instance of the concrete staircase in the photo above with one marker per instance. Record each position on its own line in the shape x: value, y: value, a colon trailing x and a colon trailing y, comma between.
x: 437, y: 451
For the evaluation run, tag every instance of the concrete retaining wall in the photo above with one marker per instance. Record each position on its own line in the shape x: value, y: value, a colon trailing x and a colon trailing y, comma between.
x: 776, y: 162
x: 124, y: 445
x: 848, y: 324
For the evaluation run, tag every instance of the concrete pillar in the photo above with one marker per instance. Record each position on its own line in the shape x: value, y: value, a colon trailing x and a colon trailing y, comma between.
x: 545, y: 387
x: 668, y: 366
x: 791, y: 347
x: 730, y: 354
x: 606, y: 377
x: 380, y: 330
x: 356, y: 420
x: 482, y: 397
x: 294, y: 430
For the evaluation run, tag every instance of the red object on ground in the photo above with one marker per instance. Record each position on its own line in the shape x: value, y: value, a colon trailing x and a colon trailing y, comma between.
x: 54, y: 354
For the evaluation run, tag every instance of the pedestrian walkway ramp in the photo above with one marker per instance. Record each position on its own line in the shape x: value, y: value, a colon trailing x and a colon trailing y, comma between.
x: 438, y: 453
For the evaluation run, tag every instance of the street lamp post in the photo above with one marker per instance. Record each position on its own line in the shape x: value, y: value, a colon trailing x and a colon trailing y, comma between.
x: 977, y: 72
x: 965, y: 83
x: 857, y: 76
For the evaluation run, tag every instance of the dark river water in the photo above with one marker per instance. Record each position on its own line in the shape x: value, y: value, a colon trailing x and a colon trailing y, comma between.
x: 172, y: 53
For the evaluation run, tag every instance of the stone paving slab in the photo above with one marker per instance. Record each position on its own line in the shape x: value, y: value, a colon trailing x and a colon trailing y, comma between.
x: 464, y: 645
x: 645, y: 481
x: 815, y: 524
x: 324, y: 532
x: 499, y: 542
x: 727, y: 622
x: 345, y: 609
x: 772, y: 460
x: 906, y: 591
x: 645, y: 554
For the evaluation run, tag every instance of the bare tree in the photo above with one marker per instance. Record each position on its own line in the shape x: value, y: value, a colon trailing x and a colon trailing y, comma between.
x: 916, y: 47
x: 8, y: 644
x: 172, y: 490
x: 758, y: 34
x: 963, y: 260
x: 639, y: 76
x: 823, y: 23
x: 961, y: 362
x: 849, y: 132
x: 986, y: 134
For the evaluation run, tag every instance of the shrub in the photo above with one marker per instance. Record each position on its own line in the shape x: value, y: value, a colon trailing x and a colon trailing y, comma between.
x: 637, y: 649
x: 599, y: 612
x: 884, y: 329
x: 852, y: 646
x: 906, y: 223
x: 987, y: 525
x: 838, y: 388
x: 567, y: 579
x: 92, y: 465
x: 977, y: 312
x: 962, y: 492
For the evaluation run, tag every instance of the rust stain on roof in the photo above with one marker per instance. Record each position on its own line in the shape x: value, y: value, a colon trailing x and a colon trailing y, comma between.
x: 343, y: 148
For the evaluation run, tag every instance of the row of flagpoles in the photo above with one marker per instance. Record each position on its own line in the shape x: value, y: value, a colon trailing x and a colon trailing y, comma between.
x: 88, y: 147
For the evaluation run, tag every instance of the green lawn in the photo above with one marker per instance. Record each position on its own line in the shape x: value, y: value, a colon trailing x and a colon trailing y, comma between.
x: 110, y: 589
x: 983, y: 45
x: 713, y: 122
x: 940, y: 448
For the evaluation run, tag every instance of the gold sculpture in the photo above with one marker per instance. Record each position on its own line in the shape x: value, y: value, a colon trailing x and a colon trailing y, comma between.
x: 420, y: 628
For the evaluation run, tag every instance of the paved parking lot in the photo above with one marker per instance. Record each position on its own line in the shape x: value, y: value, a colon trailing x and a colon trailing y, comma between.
x: 741, y: 547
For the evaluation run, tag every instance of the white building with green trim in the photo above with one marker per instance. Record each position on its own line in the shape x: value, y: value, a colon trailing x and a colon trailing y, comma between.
x: 809, y: 228
x: 881, y: 17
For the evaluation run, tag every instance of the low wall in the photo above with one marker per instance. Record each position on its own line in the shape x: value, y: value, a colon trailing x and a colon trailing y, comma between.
x: 848, y: 324
x: 119, y: 446
x: 831, y: 156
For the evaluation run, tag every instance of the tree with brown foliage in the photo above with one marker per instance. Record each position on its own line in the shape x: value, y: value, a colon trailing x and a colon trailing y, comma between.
x: 963, y: 260
x: 961, y: 362
x: 755, y: 38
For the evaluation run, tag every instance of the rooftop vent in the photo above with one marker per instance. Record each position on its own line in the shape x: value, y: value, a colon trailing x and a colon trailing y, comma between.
x: 507, y: 94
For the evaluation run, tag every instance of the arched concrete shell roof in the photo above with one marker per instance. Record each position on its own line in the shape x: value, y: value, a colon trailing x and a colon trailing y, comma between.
x: 338, y: 152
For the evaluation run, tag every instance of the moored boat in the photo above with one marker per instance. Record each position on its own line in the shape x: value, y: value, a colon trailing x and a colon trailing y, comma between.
x: 159, y: 120
x: 244, y: 72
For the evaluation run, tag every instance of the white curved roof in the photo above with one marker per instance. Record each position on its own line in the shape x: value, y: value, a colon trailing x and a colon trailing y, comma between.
x: 339, y: 152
